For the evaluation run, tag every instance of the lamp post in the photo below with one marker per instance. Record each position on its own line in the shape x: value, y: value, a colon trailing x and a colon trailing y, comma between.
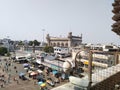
x: 43, y: 35
x: 33, y: 47
x: 58, y: 66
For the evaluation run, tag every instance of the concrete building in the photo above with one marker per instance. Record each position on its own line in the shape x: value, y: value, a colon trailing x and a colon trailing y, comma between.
x: 69, y: 41
x: 9, y: 44
x: 61, y: 50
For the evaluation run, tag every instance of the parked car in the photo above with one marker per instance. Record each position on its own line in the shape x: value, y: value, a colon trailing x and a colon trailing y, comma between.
x: 50, y: 82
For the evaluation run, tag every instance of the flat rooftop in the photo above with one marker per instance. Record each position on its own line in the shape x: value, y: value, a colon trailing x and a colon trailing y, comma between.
x: 82, y: 83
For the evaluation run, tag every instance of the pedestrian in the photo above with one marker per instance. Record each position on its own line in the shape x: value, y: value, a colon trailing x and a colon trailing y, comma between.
x: 7, y: 68
x: 27, y: 70
x: 3, y: 70
x: 10, y: 70
x: 60, y: 79
x: 16, y: 71
x: 14, y: 78
x: 9, y: 64
x: 4, y: 82
x: 14, y: 67
x: 17, y: 81
x: 1, y: 85
x: 35, y: 83
x: 6, y: 63
x: 8, y: 79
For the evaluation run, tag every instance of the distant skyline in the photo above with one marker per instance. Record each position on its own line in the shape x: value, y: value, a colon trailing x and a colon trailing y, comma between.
x: 26, y: 19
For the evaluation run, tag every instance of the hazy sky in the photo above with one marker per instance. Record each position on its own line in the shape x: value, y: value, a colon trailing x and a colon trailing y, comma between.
x: 25, y: 19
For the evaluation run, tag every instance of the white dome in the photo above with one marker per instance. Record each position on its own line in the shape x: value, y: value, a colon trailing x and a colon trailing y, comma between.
x: 66, y: 66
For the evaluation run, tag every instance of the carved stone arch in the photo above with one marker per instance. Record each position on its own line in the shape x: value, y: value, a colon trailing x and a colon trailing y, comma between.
x: 58, y: 44
x: 54, y: 44
x: 66, y: 44
x: 62, y: 44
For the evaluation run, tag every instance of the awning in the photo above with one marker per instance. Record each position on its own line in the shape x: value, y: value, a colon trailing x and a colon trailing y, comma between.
x: 54, y: 72
x: 39, y: 83
x: 25, y: 65
x: 30, y: 71
x: 43, y: 85
x: 33, y: 73
x: 39, y: 71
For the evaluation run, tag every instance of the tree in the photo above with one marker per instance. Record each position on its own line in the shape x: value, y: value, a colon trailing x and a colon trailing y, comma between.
x: 3, y: 51
x: 20, y: 43
x: 8, y: 54
x: 48, y: 49
x: 36, y: 43
x: 30, y: 43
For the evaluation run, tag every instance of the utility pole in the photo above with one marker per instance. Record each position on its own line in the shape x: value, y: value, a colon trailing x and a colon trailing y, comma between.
x: 33, y: 47
x: 43, y: 35
x: 90, y: 69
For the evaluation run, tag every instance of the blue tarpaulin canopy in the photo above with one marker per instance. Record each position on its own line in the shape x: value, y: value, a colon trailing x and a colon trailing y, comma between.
x: 25, y: 65
x: 21, y: 74
x: 54, y: 72
x: 39, y: 83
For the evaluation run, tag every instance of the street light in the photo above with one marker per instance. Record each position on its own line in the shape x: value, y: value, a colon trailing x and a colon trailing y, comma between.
x: 43, y: 35
x: 33, y: 47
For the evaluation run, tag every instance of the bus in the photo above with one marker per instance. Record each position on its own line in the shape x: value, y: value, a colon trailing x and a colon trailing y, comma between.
x: 109, y: 48
x: 21, y: 59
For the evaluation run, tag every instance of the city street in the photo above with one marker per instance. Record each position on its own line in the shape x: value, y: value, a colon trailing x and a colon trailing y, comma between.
x: 7, y: 68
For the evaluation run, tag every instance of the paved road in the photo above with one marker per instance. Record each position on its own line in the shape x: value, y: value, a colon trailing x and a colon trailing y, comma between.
x: 13, y: 85
x: 23, y: 85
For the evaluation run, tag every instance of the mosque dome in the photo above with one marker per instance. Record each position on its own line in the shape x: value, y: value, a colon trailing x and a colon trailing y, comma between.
x: 66, y: 66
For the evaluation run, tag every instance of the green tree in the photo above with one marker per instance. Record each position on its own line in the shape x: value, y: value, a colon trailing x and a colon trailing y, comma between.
x: 30, y: 43
x: 20, y: 43
x: 48, y: 49
x: 35, y: 42
x: 3, y: 51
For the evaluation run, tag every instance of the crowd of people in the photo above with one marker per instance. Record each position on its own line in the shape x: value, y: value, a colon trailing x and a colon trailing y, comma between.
x: 6, y: 78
